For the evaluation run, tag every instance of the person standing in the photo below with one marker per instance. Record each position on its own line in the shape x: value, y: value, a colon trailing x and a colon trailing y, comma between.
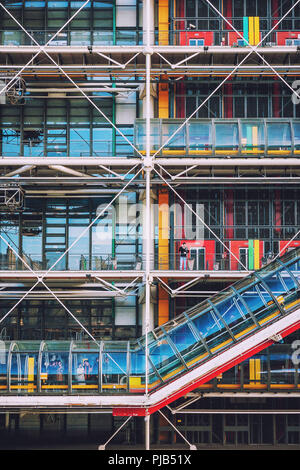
x: 183, y: 250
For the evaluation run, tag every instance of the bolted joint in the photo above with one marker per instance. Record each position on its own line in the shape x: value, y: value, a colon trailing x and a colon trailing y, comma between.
x: 148, y: 50
x: 276, y: 337
x: 148, y: 279
x: 148, y: 163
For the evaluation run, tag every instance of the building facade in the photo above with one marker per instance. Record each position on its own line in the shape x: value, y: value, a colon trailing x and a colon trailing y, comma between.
x: 129, y: 127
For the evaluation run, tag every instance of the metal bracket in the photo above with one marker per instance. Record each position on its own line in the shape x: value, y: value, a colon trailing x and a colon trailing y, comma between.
x: 276, y: 338
x: 148, y: 164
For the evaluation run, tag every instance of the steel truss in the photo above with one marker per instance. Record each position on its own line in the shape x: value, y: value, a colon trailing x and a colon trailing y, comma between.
x: 146, y: 167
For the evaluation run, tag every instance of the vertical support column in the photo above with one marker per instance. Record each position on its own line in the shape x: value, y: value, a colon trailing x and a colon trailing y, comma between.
x: 148, y: 23
x: 148, y: 254
x: 148, y: 14
x: 147, y: 432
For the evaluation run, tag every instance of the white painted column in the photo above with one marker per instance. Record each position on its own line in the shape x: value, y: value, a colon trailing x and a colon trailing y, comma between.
x: 148, y: 240
x: 148, y: 22
x: 148, y: 229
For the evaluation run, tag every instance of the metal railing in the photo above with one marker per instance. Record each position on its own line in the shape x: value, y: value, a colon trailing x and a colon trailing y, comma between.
x: 257, y: 137
x: 213, y: 31
x: 13, y: 147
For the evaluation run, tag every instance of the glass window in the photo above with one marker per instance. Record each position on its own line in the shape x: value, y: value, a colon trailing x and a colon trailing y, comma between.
x: 227, y: 136
x: 183, y: 338
x: 279, y: 136
x: 178, y: 141
x: 296, y: 127
x: 252, y: 138
x: 200, y: 136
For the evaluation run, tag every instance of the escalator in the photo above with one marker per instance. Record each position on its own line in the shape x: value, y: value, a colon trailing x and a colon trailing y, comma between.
x: 184, y: 353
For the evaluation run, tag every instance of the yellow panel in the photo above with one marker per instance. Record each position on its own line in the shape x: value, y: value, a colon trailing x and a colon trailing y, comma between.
x: 256, y: 254
x: 256, y: 30
x: 251, y: 369
x: 254, y: 370
x: 163, y: 22
x: 163, y: 229
x: 257, y: 369
x: 251, y: 30
x: 30, y: 369
x: 135, y: 382
x: 30, y: 374
x: 254, y: 135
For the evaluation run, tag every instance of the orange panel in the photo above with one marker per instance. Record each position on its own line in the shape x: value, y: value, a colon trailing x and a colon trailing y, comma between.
x: 163, y: 305
x: 163, y: 99
x: 163, y: 22
x: 163, y: 252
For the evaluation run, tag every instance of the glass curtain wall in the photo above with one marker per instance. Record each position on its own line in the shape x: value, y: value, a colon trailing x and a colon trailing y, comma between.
x: 106, y: 319
x: 236, y: 99
x: 58, y: 128
x: 42, y: 233
x: 97, y: 23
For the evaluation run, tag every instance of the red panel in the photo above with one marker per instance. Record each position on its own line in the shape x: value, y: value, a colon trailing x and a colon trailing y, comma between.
x: 233, y: 37
x: 276, y: 99
x: 210, y: 250
x: 228, y: 12
x: 234, y: 247
x: 283, y: 35
x: 189, y: 387
x: 180, y: 14
x: 185, y: 37
x: 286, y: 243
x: 229, y: 216
x: 278, y: 211
x: 228, y: 103
x: 180, y: 100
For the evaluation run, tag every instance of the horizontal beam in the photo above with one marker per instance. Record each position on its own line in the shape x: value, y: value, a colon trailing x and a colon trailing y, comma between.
x: 70, y: 276
x: 62, y: 294
x: 230, y: 162
x: 208, y: 162
x: 240, y: 412
x: 70, y: 161
x: 161, y: 49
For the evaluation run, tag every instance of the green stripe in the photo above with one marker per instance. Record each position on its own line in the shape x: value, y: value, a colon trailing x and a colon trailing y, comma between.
x: 246, y: 28
x: 251, y: 255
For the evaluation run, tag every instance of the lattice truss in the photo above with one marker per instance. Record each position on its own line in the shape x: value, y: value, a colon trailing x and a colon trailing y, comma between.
x: 147, y: 164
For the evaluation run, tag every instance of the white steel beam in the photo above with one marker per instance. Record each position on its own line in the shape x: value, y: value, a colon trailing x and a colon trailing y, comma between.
x: 148, y: 12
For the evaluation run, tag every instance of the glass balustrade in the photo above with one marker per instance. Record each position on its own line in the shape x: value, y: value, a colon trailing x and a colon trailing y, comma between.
x: 174, y: 348
x: 221, y: 138
x: 191, y: 31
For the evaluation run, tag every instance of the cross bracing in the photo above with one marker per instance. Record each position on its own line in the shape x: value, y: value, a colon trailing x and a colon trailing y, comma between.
x: 148, y: 62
